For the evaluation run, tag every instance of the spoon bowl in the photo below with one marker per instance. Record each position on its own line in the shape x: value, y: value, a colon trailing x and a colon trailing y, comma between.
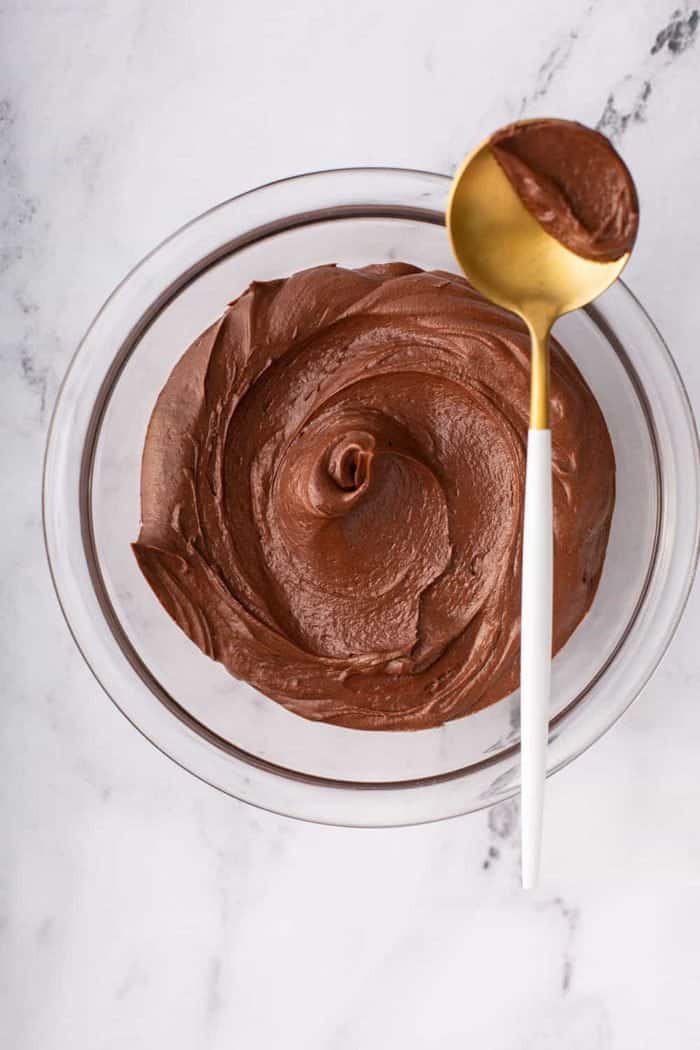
x: 506, y: 253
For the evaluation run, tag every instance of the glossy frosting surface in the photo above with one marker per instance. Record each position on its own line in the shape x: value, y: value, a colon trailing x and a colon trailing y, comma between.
x: 332, y: 494
x: 574, y: 183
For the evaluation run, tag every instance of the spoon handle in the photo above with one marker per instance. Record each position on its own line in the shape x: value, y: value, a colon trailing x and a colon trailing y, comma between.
x: 536, y: 646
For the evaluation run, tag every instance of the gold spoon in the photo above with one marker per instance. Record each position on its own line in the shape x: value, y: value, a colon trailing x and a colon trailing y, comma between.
x: 508, y: 256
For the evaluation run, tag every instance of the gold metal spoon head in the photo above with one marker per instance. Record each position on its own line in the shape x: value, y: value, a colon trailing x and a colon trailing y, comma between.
x: 512, y: 260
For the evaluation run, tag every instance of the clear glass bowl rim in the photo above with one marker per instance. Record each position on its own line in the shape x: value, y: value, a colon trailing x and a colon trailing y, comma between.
x: 283, y: 204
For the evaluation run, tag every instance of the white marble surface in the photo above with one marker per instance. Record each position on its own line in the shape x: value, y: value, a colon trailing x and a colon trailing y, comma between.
x: 139, y: 907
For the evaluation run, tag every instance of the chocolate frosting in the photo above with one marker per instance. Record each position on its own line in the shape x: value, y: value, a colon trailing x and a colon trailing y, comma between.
x: 574, y: 183
x: 332, y: 494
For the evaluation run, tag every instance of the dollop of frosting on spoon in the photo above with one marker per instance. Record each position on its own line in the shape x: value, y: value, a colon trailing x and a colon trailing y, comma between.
x: 572, y: 180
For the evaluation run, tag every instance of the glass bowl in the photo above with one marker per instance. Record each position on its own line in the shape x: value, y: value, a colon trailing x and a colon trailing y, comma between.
x: 224, y: 731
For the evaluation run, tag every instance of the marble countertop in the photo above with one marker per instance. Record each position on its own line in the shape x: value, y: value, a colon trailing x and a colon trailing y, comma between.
x: 140, y: 908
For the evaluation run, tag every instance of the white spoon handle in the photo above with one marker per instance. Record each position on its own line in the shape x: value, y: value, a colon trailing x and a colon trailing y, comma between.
x: 536, y: 646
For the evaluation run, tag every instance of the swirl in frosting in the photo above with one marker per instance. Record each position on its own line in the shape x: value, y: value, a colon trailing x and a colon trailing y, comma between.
x: 332, y: 494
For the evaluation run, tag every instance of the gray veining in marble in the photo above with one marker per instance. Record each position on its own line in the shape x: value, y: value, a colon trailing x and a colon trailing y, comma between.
x: 140, y: 908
